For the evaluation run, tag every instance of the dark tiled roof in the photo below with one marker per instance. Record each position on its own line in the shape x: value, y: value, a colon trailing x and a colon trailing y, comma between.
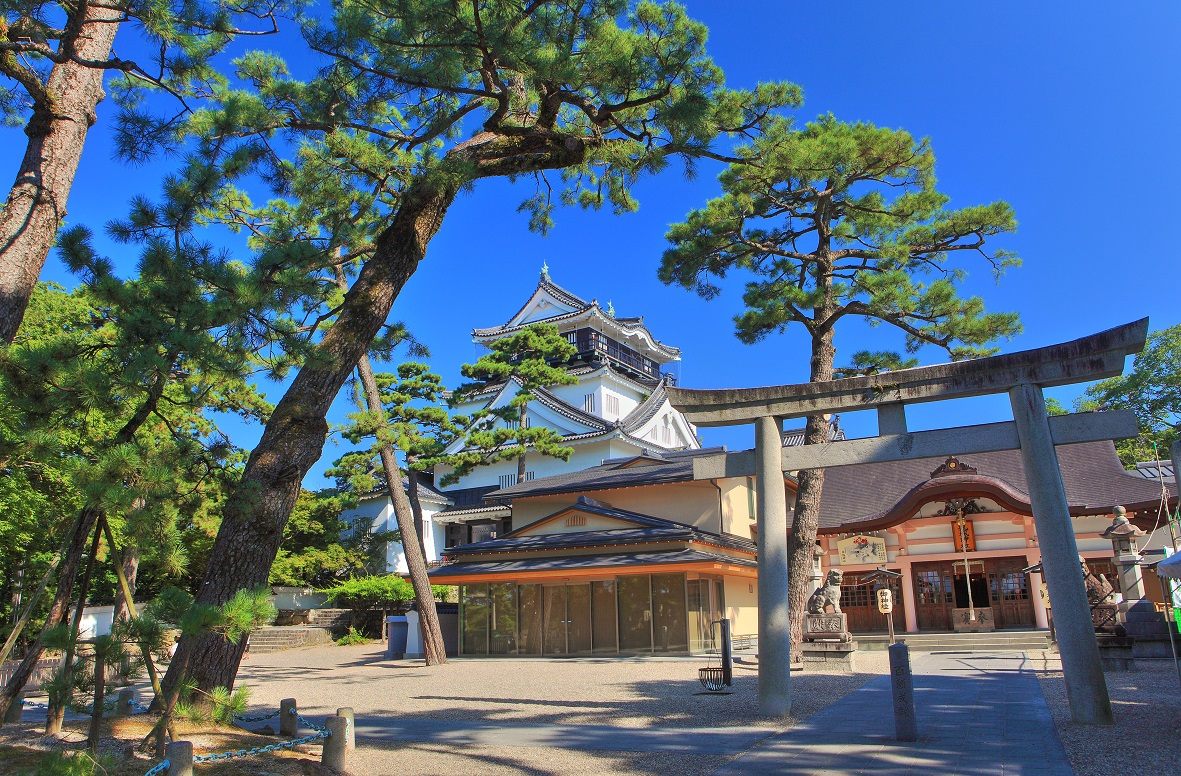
x: 647, y: 529
x: 464, y: 498
x: 622, y: 560
x: 794, y: 437
x: 1091, y: 471
x: 645, y: 410
x: 619, y: 536
x: 610, y: 475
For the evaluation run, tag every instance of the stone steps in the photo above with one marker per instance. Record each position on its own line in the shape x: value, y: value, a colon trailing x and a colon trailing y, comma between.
x: 1001, y: 641
x: 276, y: 638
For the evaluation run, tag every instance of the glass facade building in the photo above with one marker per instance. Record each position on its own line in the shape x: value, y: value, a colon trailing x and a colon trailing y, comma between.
x: 626, y: 614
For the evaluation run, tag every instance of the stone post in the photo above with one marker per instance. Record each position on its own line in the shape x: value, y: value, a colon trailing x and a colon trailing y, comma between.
x: 288, y: 717
x: 180, y: 758
x: 414, y: 635
x: 902, y: 688
x: 350, y: 738
x: 126, y: 705
x: 774, y: 624
x: 15, y: 710
x: 1085, y: 685
x: 336, y: 754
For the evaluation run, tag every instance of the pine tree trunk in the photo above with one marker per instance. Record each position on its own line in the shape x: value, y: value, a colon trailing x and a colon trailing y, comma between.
x: 432, y: 632
x: 801, y: 541
x: 521, y: 457
x: 36, y: 204
x: 293, y: 439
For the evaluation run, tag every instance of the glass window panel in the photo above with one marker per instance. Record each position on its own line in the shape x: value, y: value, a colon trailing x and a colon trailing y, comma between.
x: 699, y: 615
x: 529, y: 620
x: 578, y: 619
x: 475, y: 619
x: 554, y: 619
x: 502, y: 639
x: 604, y: 628
x: 635, y: 614
x: 669, y: 623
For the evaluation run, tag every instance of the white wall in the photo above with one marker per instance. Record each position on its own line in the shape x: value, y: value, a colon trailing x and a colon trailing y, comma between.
x: 378, y: 515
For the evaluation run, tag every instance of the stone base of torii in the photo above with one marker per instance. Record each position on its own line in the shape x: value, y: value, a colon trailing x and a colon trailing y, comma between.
x: 1022, y: 375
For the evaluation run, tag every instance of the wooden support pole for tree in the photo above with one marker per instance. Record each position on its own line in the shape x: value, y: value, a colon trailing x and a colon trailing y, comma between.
x: 30, y: 606
x: 57, y: 705
x: 125, y: 590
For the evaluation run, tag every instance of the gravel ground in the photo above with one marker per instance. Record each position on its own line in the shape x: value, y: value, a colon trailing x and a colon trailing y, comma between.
x: 621, y: 692
x: 1146, y: 736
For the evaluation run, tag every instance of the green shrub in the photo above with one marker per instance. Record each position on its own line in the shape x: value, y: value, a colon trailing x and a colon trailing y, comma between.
x: 351, y: 638
x: 387, y: 591
x: 72, y: 764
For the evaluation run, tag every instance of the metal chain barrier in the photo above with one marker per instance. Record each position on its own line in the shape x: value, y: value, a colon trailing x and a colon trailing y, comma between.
x: 161, y: 767
x: 321, y: 733
x: 256, y: 718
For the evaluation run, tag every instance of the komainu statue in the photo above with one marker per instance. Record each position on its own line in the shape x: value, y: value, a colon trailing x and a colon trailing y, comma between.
x: 828, y: 594
x: 1099, y: 590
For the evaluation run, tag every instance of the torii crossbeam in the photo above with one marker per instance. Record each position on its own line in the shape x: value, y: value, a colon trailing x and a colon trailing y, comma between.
x: 1022, y: 375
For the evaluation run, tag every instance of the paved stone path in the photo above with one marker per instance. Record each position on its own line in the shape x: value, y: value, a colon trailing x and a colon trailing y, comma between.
x: 681, y: 740
x: 979, y: 713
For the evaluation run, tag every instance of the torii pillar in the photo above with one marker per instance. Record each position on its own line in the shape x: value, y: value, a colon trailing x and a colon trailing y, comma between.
x: 1022, y: 375
x: 774, y: 619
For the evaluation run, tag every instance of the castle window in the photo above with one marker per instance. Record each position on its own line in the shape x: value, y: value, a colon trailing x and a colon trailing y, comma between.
x: 588, y: 403
x: 612, y: 402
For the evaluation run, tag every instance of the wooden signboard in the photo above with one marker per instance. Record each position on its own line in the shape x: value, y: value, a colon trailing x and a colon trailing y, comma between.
x: 862, y: 549
x: 958, y: 537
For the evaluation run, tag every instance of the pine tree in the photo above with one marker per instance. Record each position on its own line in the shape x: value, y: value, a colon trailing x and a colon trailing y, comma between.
x: 524, y: 363
x: 837, y: 221
x: 133, y: 383
x: 54, y: 56
x: 415, y: 104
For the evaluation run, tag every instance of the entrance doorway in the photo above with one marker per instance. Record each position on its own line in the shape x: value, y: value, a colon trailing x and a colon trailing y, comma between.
x: 860, y: 604
x: 995, y: 582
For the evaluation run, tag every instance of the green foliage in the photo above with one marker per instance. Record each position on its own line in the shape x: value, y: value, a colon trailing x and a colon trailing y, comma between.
x: 1152, y: 390
x: 313, y: 552
x: 843, y: 219
x: 221, y: 708
x: 352, y: 638
x: 526, y: 361
x: 72, y: 764
x: 372, y: 592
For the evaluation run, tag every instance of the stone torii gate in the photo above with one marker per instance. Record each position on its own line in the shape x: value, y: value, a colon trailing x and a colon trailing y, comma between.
x: 1022, y: 375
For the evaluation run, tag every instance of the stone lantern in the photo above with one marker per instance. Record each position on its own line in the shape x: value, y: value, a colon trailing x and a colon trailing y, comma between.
x: 1125, y: 542
x: 1138, y: 615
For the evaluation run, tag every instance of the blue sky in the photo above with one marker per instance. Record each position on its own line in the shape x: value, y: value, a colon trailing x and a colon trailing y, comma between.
x: 1066, y: 110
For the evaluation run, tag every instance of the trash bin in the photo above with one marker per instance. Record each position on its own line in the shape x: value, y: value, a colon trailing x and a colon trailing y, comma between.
x: 396, y: 630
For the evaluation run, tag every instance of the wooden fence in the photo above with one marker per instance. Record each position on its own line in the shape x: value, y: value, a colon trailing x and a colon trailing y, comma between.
x: 43, y: 671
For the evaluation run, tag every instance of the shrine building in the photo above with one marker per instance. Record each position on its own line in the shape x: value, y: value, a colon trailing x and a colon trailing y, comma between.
x: 634, y: 556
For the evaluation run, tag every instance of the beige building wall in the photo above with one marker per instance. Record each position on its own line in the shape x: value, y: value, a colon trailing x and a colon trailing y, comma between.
x: 742, y: 605
x: 718, y: 506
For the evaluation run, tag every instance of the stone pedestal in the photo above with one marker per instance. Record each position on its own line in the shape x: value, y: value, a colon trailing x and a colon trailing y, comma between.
x: 1116, y: 653
x: 831, y: 626
x: 835, y: 655
x: 961, y: 621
